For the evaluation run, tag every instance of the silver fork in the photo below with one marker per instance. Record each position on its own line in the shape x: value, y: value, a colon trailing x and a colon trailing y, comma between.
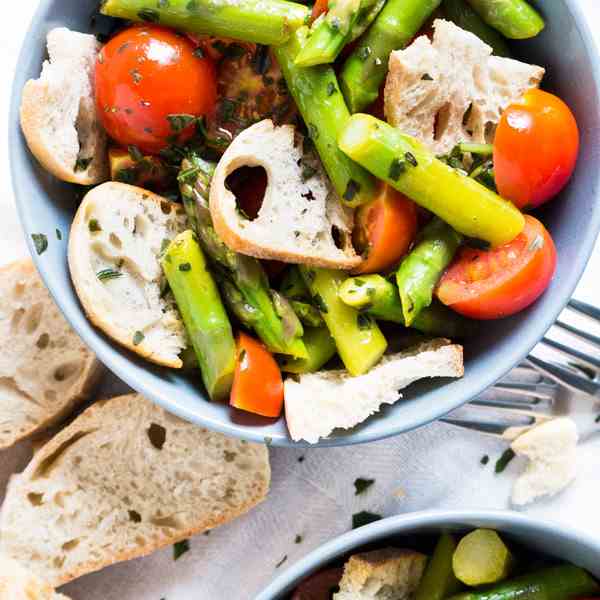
x: 566, y: 382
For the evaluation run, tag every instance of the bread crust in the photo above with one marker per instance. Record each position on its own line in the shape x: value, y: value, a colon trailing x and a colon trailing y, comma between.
x: 79, y: 267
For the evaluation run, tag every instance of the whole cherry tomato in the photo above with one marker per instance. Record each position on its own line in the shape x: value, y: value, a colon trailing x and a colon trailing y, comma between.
x: 535, y: 149
x: 385, y: 229
x: 151, y: 83
x: 489, y: 284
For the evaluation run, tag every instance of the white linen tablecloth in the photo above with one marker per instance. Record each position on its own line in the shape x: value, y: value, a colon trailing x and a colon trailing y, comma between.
x: 437, y: 466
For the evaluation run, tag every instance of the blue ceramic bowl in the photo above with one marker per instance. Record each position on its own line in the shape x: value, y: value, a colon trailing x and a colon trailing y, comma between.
x: 567, y: 51
x: 540, y: 536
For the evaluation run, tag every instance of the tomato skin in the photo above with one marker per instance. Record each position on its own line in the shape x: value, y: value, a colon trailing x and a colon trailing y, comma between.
x: 535, y: 149
x: 143, y: 75
x: 257, y: 382
x: 490, y: 284
x: 319, y: 585
x: 385, y: 228
x: 320, y: 7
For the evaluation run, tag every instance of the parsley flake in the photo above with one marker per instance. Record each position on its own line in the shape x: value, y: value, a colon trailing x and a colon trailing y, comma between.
x: 298, y: 539
x: 281, y: 562
x: 107, y: 274
x: 362, y: 485
x: 180, y: 548
x: 485, y: 459
x: 363, y: 322
x: 138, y: 338
x: 94, y: 226
x: 147, y: 14
x: 81, y: 164
x: 396, y: 169
x: 352, y: 189
x: 40, y: 241
x: 58, y: 234
x: 426, y: 77
x: 320, y: 303
x: 199, y: 52
x: 185, y: 267
x: 364, y: 518
x: 179, y: 122
x: 503, y: 461
x: 410, y: 158
x: 331, y: 89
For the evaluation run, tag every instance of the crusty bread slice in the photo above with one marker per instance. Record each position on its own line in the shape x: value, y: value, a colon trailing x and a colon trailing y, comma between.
x: 386, y: 574
x: 58, y: 111
x: 453, y: 90
x: 552, y: 452
x: 318, y: 403
x: 116, y: 239
x: 17, y: 583
x: 123, y: 480
x: 300, y: 221
x: 45, y: 369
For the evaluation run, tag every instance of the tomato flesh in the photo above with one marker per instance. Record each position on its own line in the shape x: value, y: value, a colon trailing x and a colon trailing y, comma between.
x: 319, y: 586
x: 257, y: 382
x: 490, y: 284
x: 144, y: 77
x: 535, y: 149
x: 385, y: 228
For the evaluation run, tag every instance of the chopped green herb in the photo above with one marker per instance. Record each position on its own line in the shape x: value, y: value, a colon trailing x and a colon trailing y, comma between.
x: 359, y: 282
x: 147, y: 14
x: 268, y: 441
x: 301, y: 459
x: 40, y: 241
x: 234, y: 51
x: 427, y: 77
x: 298, y: 539
x: 362, y: 485
x: 135, y: 153
x: 180, y: 548
x: 352, y: 189
x: 477, y: 244
x: 199, y: 52
x: 320, y: 303
x: 136, y: 76
x: 106, y: 274
x: 503, y: 461
x: 310, y: 275
x: 331, y: 88
x: 261, y: 59
x: 94, y: 226
x: 138, y: 338
x: 364, y: 53
x: 308, y: 172
x: 396, y: 169
x: 58, y: 234
x: 164, y: 245
x: 485, y: 459
x: 179, y: 122
x: 81, y: 164
x: 185, y: 267
x: 281, y: 562
x: 364, y: 518
x: 313, y: 131
x: 334, y: 23
x: 410, y: 158
x: 192, y: 6
x: 364, y: 322
x: 597, y: 419
x: 227, y: 109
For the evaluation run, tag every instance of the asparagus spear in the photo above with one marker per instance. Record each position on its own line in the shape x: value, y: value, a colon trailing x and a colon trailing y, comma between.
x: 358, y: 339
x: 203, y: 313
x: 408, y: 166
x: 366, y: 68
x: 438, y: 580
x: 307, y: 313
x: 320, y: 347
x: 420, y: 271
x: 345, y: 22
x: 317, y: 95
x: 258, y: 21
x: 253, y: 303
x: 554, y: 583
x: 514, y: 19
x: 295, y: 290
x: 378, y: 297
x: 465, y: 17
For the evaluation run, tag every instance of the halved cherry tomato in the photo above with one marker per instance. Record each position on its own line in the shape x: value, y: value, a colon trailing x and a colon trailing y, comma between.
x: 146, y: 77
x: 385, y: 229
x: 319, y: 585
x: 535, y: 149
x: 489, y: 284
x: 257, y: 383
x: 320, y: 7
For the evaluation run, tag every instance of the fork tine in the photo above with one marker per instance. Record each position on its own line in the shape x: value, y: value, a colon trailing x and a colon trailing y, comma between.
x: 565, y: 376
x: 585, y: 309
x: 578, y: 333
x: 571, y: 353
x: 540, y: 391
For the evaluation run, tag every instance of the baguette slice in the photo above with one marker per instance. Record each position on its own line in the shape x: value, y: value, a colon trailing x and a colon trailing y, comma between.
x: 123, y: 480
x: 45, y: 369
x: 453, y: 90
x: 299, y: 220
x: 116, y: 238
x: 58, y: 111
x: 552, y: 452
x: 318, y: 403
x: 16, y: 583
x: 387, y: 574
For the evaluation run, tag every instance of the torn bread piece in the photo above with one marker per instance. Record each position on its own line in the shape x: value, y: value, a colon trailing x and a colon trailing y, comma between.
x: 318, y: 403
x: 45, y: 369
x: 58, y: 111
x: 301, y: 219
x: 17, y: 583
x: 453, y: 90
x: 386, y: 574
x: 123, y: 480
x: 552, y: 452
x: 116, y: 238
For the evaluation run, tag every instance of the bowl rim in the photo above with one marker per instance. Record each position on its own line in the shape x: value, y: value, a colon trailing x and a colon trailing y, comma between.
x: 119, y: 364
x: 403, y: 524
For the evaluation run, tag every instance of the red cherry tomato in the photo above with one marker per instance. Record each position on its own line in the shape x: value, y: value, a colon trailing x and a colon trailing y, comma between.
x: 489, y: 284
x: 144, y: 76
x: 385, y: 228
x: 320, y: 7
x: 535, y: 149
x: 257, y: 383
x: 319, y: 586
